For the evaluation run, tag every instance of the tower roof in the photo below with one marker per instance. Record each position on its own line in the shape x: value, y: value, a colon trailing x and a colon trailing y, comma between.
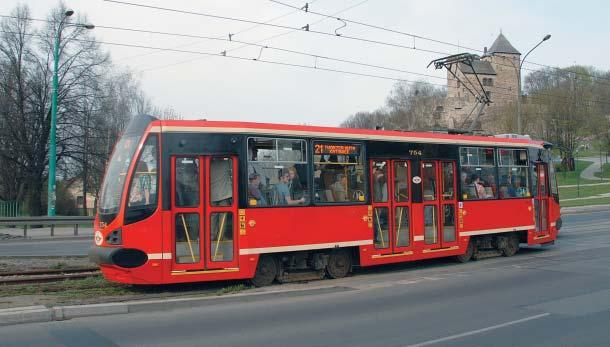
x: 501, y: 45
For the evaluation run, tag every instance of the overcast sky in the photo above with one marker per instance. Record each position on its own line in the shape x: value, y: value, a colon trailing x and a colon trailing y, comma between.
x: 219, y: 88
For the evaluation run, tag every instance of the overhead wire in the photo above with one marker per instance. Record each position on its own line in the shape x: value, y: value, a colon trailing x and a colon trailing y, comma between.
x: 261, y: 40
x: 224, y: 35
x: 303, y: 29
x: 416, y: 36
x: 280, y: 63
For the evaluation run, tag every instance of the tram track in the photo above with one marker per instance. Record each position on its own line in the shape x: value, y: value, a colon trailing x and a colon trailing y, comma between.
x: 46, y: 275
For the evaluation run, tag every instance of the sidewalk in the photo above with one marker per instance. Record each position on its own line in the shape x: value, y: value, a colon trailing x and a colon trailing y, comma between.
x: 589, y: 172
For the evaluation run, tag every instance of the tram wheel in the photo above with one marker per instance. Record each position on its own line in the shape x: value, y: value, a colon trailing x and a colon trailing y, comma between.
x: 339, y: 263
x: 266, y: 271
x: 512, y: 246
x: 464, y: 258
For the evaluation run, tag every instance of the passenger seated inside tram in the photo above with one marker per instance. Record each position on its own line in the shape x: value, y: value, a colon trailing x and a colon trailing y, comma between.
x: 339, y: 188
x: 255, y: 196
x: 504, y: 187
x: 283, y: 191
x: 294, y: 184
x: 518, y: 189
x: 479, y: 188
x: 490, y: 186
x: 464, y: 182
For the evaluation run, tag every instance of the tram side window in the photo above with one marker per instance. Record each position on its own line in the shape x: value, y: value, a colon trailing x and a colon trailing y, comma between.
x: 187, y: 182
x: 143, y: 190
x: 478, y: 173
x: 513, y: 166
x: 142, y: 201
x: 338, y: 172
x: 277, y: 172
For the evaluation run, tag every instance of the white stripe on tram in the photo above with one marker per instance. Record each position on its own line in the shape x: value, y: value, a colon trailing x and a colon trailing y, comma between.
x: 247, y: 251
x: 495, y: 231
x: 158, y: 256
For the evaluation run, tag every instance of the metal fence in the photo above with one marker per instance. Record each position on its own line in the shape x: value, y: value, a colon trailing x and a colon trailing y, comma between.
x: 52, y: 222
x: 10, y: 208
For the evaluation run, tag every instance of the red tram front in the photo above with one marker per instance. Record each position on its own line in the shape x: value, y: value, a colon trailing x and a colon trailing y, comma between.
x: 192, y: 201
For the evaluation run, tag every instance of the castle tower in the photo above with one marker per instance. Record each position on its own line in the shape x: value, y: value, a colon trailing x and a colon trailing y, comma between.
x: 498, y: 71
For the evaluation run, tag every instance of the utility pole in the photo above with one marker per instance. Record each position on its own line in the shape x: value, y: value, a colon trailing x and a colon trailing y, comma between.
x: 519, y: 121
x: 51, y: 189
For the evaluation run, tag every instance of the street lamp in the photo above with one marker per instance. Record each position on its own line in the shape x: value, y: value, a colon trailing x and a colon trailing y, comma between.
x: 51, y: 198
x: 548, y: 36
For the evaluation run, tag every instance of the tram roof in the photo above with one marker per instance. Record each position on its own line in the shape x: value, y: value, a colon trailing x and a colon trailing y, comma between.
x: 334, y: 133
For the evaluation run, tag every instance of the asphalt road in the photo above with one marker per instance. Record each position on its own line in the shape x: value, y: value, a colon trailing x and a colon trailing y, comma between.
x: 57, y: 247
x: 554, y: 296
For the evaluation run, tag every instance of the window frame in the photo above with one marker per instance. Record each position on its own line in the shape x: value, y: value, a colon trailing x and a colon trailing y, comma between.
x: 146, y: 211
x: 510, y: 165
x: 365, y: 167
x: 308, y: 163
x: 461, y: 166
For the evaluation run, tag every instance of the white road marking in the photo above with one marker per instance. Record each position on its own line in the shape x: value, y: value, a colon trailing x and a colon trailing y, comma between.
x: 479, y: 331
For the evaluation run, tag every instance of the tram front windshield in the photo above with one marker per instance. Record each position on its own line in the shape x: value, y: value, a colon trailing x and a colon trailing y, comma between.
x: 112, y: 188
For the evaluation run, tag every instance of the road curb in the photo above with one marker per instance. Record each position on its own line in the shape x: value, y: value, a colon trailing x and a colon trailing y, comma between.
x: 38, y: 314
x: 28, y: 314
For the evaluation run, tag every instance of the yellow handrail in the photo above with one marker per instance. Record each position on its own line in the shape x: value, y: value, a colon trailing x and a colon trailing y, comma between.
x: 188, y: 237
x: 379, y: 227
x: 222, y: 226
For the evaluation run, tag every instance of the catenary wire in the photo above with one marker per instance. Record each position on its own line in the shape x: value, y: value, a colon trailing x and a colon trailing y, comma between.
x: 415, y: 36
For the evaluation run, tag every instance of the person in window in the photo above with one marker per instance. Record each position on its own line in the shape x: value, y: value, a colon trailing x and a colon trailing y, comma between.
x: 283, y: 192
x: 380, y: 188
x: 490, y: 179
x: 339, y: 188
x: 478, y: 186
x: 221, y: 182
x: 254, y: 192
x: 294, y: 185
x: 140, y: 193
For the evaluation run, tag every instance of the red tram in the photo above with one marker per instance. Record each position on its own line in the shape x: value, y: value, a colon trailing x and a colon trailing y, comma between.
x: 192, y: 201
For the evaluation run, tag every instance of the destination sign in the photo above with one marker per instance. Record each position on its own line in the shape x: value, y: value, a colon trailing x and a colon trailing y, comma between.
x: 337, y: 149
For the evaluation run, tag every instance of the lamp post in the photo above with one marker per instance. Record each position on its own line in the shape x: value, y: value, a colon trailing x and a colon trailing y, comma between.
x: 519, y: 127
x: 51, y: 197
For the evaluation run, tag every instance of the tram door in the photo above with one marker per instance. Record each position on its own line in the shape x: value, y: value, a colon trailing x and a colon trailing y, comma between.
x: 439, y: 203
x: 204, y: 212
x: 391, y: 197
x: 541, y: 199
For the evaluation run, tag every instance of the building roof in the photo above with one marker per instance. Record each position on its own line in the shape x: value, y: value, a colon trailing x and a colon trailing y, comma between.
x: 501, y: 45
x: 481, y: 67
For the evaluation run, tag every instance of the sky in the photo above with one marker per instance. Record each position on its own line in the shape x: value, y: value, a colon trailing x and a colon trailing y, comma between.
x: 218, y: 88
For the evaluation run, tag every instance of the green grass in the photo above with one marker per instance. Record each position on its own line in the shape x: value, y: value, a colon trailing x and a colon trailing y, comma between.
x: 606, y: 169
x: 232, y: 289
x: 571, y: 177
x: 572, y: 192
x: 97, y: 289
x: 69, y: 289
x: 586, y: 202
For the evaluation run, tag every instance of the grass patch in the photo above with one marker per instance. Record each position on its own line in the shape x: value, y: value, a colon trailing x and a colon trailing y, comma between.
x: 76, y: 288
x: 232, y: 289
x: 97, y: 289
x: 571, y: 177
x: 572, y: 192
x: 606, y: 171
x: 586, y: 202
